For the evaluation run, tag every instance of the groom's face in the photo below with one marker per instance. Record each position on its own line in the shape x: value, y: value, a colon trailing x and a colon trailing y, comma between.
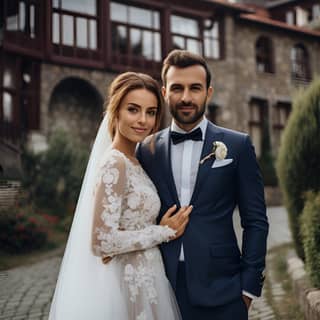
x: 186, y: 95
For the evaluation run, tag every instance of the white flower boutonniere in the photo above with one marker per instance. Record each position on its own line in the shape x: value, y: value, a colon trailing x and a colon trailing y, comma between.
x: 219, y: 151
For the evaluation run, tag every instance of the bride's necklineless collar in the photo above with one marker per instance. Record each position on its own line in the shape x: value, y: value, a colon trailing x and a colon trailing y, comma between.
x: 132, y: 159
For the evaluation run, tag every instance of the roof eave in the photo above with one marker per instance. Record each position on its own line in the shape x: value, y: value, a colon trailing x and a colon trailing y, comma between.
x: 279, y: 25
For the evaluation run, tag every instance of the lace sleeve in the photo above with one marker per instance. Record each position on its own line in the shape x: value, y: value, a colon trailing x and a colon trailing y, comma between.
x: 107, y: 238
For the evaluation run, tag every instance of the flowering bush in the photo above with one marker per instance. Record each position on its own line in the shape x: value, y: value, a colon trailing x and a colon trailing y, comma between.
x: 22, y: 231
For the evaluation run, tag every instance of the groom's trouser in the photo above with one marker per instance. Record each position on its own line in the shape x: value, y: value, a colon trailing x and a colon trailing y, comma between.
x: 234, y: 310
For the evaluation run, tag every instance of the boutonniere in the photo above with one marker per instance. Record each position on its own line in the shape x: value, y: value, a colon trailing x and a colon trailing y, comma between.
x: 219, y: 151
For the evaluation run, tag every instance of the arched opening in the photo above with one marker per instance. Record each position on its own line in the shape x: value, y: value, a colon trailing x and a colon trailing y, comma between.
x: 76, y: 108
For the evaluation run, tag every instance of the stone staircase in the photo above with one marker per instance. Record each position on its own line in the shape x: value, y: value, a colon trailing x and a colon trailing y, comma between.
x: 9, y: 191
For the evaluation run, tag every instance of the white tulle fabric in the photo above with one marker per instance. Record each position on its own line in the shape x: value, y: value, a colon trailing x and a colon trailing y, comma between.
x: 115, y: 216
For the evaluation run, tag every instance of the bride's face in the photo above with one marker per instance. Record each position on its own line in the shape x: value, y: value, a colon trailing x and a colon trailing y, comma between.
x: 137, y: 115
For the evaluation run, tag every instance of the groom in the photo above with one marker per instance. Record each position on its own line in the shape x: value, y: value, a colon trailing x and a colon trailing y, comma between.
x: 211, y: 277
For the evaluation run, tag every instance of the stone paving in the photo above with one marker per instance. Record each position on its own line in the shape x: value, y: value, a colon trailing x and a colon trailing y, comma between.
x: 279, y: 234
x: 26, y: 292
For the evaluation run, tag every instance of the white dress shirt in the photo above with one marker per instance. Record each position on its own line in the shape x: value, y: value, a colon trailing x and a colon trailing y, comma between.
x: 185, y: 158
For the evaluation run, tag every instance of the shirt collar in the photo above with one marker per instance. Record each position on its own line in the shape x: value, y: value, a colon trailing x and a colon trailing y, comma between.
x: 202, y: 125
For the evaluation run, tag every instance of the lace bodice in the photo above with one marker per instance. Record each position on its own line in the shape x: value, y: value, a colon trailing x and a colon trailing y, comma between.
x: 126, y: 207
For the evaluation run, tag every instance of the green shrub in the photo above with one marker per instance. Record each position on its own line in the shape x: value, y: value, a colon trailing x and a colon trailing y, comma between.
x: 53, y: 178
x: 310, y: 222
x: 298, y: 164
x: 22, y: 231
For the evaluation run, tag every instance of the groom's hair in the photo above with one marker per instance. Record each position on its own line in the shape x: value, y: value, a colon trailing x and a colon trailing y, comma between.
x: 184, y: 59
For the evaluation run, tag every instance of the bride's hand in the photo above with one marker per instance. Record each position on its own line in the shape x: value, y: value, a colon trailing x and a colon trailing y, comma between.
x: 178, y: 221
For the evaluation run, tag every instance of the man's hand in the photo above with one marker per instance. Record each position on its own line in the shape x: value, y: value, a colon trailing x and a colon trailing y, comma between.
x: 178, y: 221
x: 247, y: 301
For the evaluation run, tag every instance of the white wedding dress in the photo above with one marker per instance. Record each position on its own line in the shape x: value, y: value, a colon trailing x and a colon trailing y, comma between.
x: 122, y: 222
x: 126, y: 208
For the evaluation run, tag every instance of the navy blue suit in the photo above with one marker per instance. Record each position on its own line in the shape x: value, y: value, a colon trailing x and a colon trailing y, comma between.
x: 216, y: 271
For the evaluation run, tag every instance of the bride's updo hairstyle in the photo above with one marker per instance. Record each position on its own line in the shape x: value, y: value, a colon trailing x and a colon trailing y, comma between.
x: 120, y: 87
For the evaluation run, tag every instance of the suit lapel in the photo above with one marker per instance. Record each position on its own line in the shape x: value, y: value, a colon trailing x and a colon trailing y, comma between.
x: 212, y: 134
x: 165, y: 160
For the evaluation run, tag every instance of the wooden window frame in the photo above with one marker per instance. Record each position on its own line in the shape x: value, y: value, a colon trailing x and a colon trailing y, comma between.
x: 200, y: 19
x: 265, y: 54
x: 21, y: 41
x: 277, y: 125
x: 199, y: 39
x: 121, y: 61
x: 262, y: 104
x: 20, y: 94
x: 218, y: 39
x: 302, y: 62
x: 72, y: 54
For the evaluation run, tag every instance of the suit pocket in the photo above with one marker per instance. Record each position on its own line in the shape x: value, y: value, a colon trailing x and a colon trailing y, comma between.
x: 221, y: 163
x: 224, y: 250
x: 225, y: 259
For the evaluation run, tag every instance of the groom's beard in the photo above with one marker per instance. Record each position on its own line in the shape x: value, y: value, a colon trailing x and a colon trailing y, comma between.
x: 187, y: 117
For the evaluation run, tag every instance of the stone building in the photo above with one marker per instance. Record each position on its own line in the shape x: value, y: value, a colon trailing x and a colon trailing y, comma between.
x: 58, y: 56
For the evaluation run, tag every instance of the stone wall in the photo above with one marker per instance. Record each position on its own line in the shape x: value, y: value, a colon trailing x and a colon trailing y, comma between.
x: 307, y: 296
x: 236, y: 79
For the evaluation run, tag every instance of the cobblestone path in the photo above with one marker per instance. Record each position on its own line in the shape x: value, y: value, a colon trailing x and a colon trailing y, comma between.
x: 26, y: 292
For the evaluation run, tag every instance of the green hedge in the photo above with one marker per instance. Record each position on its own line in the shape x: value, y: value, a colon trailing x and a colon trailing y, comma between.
x: 298, y: 164
x: 310, y: 221
x: 52, y: 179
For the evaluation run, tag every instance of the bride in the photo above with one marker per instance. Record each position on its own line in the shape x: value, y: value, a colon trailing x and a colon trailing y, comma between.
x: 112, y: 267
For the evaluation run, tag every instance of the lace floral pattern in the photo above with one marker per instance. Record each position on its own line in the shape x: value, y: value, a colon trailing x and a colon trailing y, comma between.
x: 126, y: 207
x: 140, y: 277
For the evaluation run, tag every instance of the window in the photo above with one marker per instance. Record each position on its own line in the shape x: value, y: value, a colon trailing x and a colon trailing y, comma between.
x: 300, y: 63
x: 281, y: 114
x: 185, y: 34
x: 135, y: 34
x: 8, y: 98
x: 316, y: 11
x: 21, y: 16
x: 74, y: 23
x: 19, y: 92
x: 302, y: 16
x: 190, y: 34
x: 81, y: 6
x: 290, y: 17
x: 9, y: 87
x: 211, y: 39
x: 264, y: 55
x: 29, y: 95
x: 258, y: 123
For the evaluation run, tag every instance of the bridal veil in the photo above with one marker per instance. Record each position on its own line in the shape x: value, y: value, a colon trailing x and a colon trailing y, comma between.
x: 87, y: 288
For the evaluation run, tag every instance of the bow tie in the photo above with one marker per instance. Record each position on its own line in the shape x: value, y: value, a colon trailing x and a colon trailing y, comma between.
x: 180, y: 137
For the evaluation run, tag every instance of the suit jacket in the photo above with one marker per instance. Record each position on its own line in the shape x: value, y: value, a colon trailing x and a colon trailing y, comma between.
x: 216, y: 270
